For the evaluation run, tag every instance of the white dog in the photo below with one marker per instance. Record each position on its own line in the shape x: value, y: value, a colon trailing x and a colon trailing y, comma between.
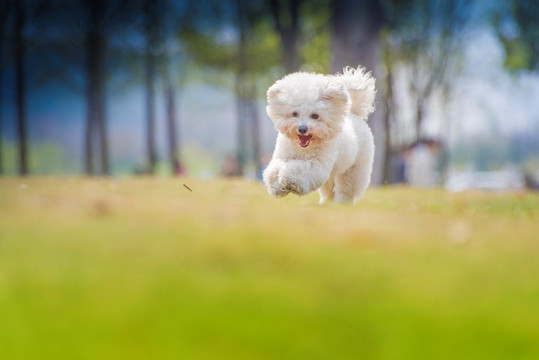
x: 324, y: 141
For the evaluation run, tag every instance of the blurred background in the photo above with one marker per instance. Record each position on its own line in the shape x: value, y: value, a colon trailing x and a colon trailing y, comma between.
x: 168, y: 87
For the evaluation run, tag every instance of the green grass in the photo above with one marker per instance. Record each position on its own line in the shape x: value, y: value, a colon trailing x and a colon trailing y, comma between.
x: 146, y: 269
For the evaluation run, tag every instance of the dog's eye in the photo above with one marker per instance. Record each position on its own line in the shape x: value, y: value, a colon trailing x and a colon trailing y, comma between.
x: 295, y: 114
x: 314, y: 116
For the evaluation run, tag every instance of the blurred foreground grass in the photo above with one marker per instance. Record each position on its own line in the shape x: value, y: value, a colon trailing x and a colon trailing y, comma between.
x: 146, y: 269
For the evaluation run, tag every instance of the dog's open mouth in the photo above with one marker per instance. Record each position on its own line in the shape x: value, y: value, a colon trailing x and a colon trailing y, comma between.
x: 304, y: 140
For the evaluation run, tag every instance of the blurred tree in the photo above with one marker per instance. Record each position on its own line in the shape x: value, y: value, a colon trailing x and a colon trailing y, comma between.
x: 431, y: 41
x: 27, y: 18
x: 355, y: 35
x: 172, y: 124
x: 171, y: 114
x: 388, y: 174
x: 152, y: 55
x: 19, y: 51
x: 315, y: 31
x: 286, y: 18
x: 247, y: 17
x: 4, y: 8
x: 95, y: 48
x: 77, y: 36
x: 517, y: 25
x: 355, y: 40
x: 241, y: 98
x: 392, y: 56
x: 247, y: 52
x: 173, y: 72
x: 423, y: 44
x: 152, y: 13
x: 419, y: 37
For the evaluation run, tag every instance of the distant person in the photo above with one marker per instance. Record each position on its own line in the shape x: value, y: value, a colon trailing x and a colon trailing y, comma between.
x: 399, y: 165
x: 530, y: 181
x: 179, y: 169
x: 421, y: 163
x: 230, y: 167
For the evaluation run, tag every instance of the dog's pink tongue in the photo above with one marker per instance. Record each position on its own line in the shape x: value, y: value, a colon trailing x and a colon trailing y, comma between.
x: 304, y: 140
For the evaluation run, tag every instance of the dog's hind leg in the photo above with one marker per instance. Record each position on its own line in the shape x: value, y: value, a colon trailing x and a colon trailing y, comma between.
x: 345, y: 187
x: 326, y: 191
x: 351, y: 185
x: 362, y: 181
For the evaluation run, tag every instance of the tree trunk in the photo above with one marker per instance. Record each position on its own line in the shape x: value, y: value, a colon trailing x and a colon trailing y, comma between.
x: 1, y: 113
x: 95, y: 138
x: 255, y: 127
x: 387, y: 176
x: 102, y: 123
x: 174, y: 154
x: 151, y: 24
x: 355, y: 40
x: 241, y: 154
x: 150, y: 113
x: 88, y: 135
x: 3, y: 18
x: 1, y: 96
x: 90, y: 44
x: 444, y: 146
x: 355, y: 37
x: 20, y: 93
x: 287, y: 26
x: 420, y: 115
x: 290, y: 52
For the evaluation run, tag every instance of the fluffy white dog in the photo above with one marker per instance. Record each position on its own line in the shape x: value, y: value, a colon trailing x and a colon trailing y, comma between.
x: 324, y: 141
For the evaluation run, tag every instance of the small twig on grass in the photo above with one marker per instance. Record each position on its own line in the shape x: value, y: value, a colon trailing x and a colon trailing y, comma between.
x: 187, y: 187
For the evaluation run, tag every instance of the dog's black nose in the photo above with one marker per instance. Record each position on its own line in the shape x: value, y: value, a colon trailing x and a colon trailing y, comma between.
x: 302, y: 129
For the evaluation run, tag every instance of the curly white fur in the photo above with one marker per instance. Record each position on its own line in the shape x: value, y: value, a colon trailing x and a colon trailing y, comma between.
x: 323, y: 141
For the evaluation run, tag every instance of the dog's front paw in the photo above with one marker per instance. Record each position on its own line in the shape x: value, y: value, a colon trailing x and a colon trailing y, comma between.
x: 295, y: 185
x: 277, y: 190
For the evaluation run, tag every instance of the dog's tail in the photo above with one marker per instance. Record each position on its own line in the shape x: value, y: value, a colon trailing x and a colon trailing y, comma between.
x: 360, y: 86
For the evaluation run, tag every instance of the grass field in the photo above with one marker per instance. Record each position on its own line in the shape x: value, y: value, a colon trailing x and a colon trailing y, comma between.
x: 147, y: 269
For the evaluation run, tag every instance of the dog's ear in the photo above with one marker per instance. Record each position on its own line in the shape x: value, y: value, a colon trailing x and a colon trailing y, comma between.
x: 335, y: 92
x: 274, y: 90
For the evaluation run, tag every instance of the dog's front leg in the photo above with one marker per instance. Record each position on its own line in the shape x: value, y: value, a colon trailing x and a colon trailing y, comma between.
x: 302, y: 176
x: 271, y: 178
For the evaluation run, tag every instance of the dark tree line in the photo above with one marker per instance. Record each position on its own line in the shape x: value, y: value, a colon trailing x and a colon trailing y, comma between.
x: 80, y: 44
x: 96, y: 47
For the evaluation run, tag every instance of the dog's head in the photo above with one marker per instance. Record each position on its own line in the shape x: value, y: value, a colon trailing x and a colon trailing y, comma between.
x: 308, y: 107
